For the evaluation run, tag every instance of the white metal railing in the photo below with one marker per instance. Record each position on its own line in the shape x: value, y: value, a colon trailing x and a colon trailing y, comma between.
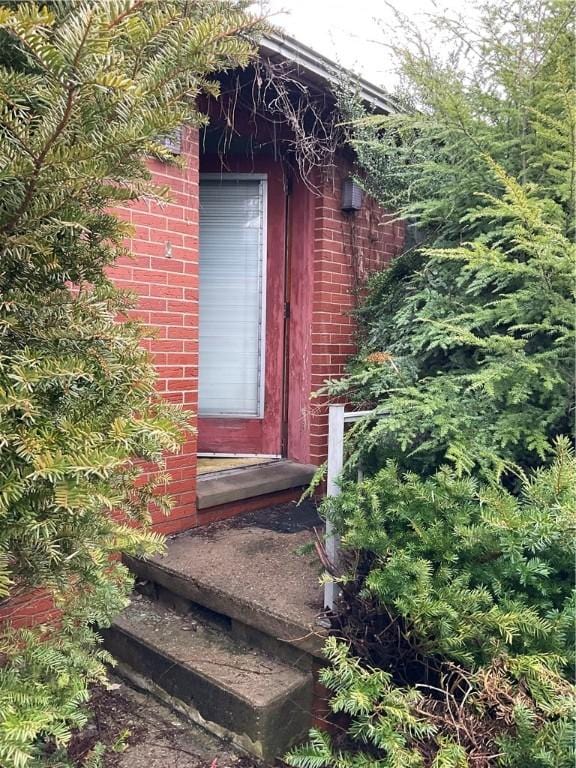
x: 338, y: 417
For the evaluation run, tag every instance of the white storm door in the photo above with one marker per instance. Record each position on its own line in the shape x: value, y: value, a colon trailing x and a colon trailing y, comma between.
x: 232, y: 295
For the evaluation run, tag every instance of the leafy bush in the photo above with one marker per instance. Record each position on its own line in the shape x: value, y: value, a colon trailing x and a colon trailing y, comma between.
x: 479, y: 720
x: 458, y: 622
x: 477, y: 572
x: 86, y: 89
x: 476, y: 348
x: 454, y: 637
x: 481, y: 314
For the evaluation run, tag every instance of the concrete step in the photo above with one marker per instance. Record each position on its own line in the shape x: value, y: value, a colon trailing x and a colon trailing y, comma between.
x: 250, y: 482
x: 236, y: 692
x: 255, y: 577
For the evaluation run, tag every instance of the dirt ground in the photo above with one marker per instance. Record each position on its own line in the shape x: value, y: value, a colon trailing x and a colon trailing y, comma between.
x: 140, y: 732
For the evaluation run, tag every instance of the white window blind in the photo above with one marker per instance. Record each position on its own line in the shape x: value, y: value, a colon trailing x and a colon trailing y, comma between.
x: 232, y: 277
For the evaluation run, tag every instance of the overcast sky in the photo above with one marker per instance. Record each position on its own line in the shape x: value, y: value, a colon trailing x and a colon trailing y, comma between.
x: 352, y: 31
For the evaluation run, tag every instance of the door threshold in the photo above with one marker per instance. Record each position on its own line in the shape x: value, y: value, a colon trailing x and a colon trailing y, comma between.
x: 216, y: 464
x: 206, y: 455
x: 248, y: 482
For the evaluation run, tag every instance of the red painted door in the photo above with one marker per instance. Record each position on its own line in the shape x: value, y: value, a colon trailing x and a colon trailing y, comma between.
x: 241, y: 310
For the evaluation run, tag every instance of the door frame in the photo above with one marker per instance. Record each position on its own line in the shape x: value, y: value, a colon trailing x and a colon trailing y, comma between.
x: 256, y: 435
x: 262, y: 178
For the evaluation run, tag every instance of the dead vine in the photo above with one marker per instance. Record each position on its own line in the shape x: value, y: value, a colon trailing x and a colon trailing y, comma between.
x: 301, y: 120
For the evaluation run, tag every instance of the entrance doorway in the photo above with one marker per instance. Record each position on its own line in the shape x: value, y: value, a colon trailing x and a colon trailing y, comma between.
x: 232, y: 297
x: 241, y: 291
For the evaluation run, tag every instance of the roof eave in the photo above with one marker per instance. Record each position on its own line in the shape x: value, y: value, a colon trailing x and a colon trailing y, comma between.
x: 324, y: 69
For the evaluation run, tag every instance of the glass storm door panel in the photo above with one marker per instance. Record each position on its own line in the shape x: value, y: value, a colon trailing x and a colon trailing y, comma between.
x: 232, y: 290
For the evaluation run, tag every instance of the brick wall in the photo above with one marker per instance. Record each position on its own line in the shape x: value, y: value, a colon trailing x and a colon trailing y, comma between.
x: 163, y: 272
x: 347, y: 248
x: 29, y: 609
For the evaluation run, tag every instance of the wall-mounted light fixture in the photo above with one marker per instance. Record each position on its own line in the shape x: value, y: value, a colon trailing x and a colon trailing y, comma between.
x: 351, y: 196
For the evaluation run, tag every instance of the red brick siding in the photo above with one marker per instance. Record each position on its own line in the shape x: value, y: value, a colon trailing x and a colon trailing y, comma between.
x: 29, y: 610
x: 347, y: 248
x: 163, y: 272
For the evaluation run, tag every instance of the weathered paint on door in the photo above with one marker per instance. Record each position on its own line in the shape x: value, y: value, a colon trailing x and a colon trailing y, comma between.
x: 262, y: 434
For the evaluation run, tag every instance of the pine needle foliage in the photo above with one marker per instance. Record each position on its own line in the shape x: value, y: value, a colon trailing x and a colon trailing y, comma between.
x: 393, y: 726
x: 484, y: 573
x: 456, y: 625
x: 487, y: 325
x: 86, y: 90
x: 464, y: 652
x: 482, y: 313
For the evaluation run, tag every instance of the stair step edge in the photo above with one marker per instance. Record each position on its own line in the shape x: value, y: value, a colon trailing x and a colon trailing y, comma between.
x: 258, y: 702
x: 207, y: 652
x: 251, y: 482
x: 309, y: 639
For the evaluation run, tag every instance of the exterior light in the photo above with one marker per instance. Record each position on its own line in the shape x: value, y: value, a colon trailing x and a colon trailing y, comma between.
x: 351, y: 196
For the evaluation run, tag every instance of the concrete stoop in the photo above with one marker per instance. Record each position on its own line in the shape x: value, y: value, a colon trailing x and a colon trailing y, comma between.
x: 236, y: 692
x: 225, y: 629
x: 242, y: 483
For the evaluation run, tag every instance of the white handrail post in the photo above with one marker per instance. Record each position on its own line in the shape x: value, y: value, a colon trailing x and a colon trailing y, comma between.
x: 335, y: 465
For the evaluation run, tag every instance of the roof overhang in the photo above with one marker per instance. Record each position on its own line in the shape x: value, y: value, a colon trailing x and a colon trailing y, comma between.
x: 323, y: 71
